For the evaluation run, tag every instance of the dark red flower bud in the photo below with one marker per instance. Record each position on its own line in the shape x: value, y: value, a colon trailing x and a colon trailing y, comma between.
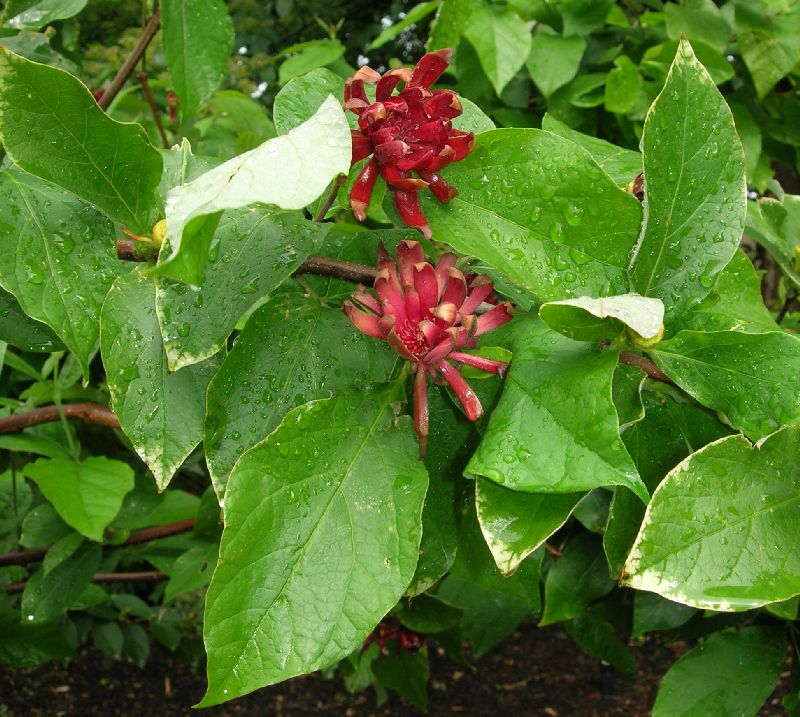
x: 410, y: 131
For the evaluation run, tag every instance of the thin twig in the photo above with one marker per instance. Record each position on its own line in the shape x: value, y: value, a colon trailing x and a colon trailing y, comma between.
x: 148, y: 33
x: 790, y: 297
x: 34, y: 555
x: 145, y: 576
x: 338, y: 269
x: 649, y: 367
x: 148, y: 95
x: 329, y: 200
x: 86, y: 412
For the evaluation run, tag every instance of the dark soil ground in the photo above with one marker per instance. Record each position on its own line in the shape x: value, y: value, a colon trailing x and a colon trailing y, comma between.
x: 534, y: 672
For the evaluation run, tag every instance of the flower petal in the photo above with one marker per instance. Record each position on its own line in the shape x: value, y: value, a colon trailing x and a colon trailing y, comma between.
x: 409, y: 253
x: 426, y: 285
x: 402, y: 181
x: 480, y: 289
x: 443, y: 191
x: 470, y: 402
x: 364, y: 322
x: 498, y: 316
x: 484, y: 364
x: 362, y: 147
x: 443, y: 266
x: 443, y: 104
x: 407, y: 205
x: 390, y: 80
x: 446, y: 315
x: 390, y: 293
x: 390, y: 153
x: 399, y: 347
x: 430, y: 67
x: 455, y: 290
x: 462, y: 143
x: 362, y: 189
x: 367, y: 300
x: 421, y: 410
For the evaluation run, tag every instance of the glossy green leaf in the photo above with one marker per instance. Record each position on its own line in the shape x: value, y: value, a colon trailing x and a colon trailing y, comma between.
x: 289, y: 171
x: 35, y: 14
x: 626, y: 391
x: 695, y: 189
x: 292, y: 350
x: 502, y: 41
x: 37, y: 46
x: 46, y: 596
x: 730, y: 673
x: 451, y: 21
x: 192, y: 570
x: 312, y: 56
x: 42, y: 526
x: 652, y: 612
x: 621, y: 164
x: 716, y: 537
x: 580, y: 17
x: 622, y: 86
x: 198, y: 40
x: 87, y: 495
x: 61, y: 550
x: 406, y: 674
x: 145, y: 506
x: 555, y: 429
x: 657, y: 61
x: 51, y: 243
x: 300, y: 98
x: 515, y: 524
x: 595, y: 633
x: 538, y: 208
x: 332, y: 542
x: 748, y: 378
x: 701, y: 21
x: 30, y: 645
x: 734, y: 304
x: 412, y: 16
x: 253, y: 251
x: 588, y: 319
x: 52, y: 127
x: 554, y: 60
x: 578, y: 578
x: 20, y: 330
x: 670, y: 431
x: 775, y: 225
x: 160, y: 412
x: 768, y: 42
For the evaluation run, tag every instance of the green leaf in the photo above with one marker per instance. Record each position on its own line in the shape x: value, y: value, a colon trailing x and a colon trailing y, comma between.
x: 160, y: 412
x: 622, y: 165
x: 59, y: 551
x: 515, y: 524
x: 46, y: 596
x: 52, y: 127
x: 300, y: 98
x: 595, y: 633
x: 405, y: 673
x: 538, y: 208
x: 36, y: 46
x: 622, y: 86
x: 626, y: 391
x: 768, y: 42
x: 695, y: 189
x: 652, y: 612
x: 555, y: 429
x: 312, y: 56
x: 701, y: 21
x: 578, y: 578
x: 709, y: 536
x: 670, y: 431
x: 34, y: 14
x: 198, y: 40
x: 51, y: 243
x: 452, y: 19
x: 30, y: 645
x: 289, y: 171
x: 413, y: 16
x: 292, y: 350
x: 588, y: 319
x: 734, y: 303
x: 145, y: 506
x: 192, y: 570
x: 748, y: 378
x: 582, y: 16
x: 553, y: 60
x: 332, y: 542
x: 253, y: 251
x: 657, y: 60
x: 87, y: 495
x: 108, y: 638
x: 20, y: 330
x: 137, y: 643
x: 775, y: 225
x: 502, y: 41
x: 730, y: 673
x: 42, y: 526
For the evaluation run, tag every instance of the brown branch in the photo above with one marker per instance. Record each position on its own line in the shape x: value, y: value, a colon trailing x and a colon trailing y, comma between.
x: 86, y: 412
x: 34, y: 555
x: 145, y: 576
x: 645, y: 364
x: 148, y: 33
x: 329, y: 200
x: 325, y: 266
x: 148, y: 95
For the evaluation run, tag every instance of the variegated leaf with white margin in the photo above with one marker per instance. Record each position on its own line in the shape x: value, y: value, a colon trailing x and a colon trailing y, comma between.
x: 722, y: 528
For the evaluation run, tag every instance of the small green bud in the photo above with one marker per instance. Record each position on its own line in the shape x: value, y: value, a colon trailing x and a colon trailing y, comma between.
x: 640, y: 341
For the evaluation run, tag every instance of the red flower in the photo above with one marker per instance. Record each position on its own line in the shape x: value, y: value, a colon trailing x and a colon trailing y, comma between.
x: 427, y: 315
x: 407, y: 132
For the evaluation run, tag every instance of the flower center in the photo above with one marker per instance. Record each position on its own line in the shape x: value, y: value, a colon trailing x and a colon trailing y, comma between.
x: 413, y: 339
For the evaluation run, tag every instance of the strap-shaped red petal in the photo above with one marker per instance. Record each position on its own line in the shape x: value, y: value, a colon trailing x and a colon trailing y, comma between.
x: 364, y: 322
x: 362, y: 147
x: 418, y: 158
x: 390, y: 153
x: 443, y: 104
x: 430, y: 68
x: 443, y: 266
x: 432, y: 333
x: 409, y: 253
x: 441, y: 160
x: 402, y: 180
x: 436, y: 131
x: 390, y: 80
x: 387, y: 287
x: 466, y: 396
x: 398, y: 346
x: 497, y: 316
x: 426, y: 285
x: 442, y: 349
x: 367, y: 300
x: 407, y: 205
x: 462, y: 144
x: 421, y: 411
x: 367, y: 74
x: 443, y: 191
x: 480, y: 289
x: 385, y: 134
x: 484, y: 364
x: 455, y: 290
x: 362, y: 189
x: 446, y: 315
x: 354, y: 90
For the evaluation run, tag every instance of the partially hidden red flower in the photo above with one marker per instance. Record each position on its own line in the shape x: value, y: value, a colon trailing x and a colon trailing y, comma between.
x: 428, y: 315
x: 388, y: 631
x: 172, y: 103
x: 406, y: 133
